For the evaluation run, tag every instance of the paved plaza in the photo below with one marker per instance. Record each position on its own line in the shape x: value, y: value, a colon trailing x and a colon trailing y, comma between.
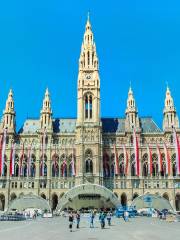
x: 57, y: 228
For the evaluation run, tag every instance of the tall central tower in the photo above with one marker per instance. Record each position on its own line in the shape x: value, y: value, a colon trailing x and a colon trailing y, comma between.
x: 88, y: 80
x: 88, y: 127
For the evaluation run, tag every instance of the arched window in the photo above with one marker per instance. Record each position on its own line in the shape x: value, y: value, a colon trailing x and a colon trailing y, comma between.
x: 88, y: 105
x: 88, y: 161
x: 173, y: 160
x: 133, y: 171
x: 88, y: 56
x: 106, y: 169
x: 121, y: 165
x: 145, y: 165
x: 154, y: 165
x: 55, y: 165
x: 33, y: 166
x: 43, y: 166
x: 163, y: 172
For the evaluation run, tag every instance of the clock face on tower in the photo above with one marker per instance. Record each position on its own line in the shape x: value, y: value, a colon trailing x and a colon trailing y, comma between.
x: 88, y: 76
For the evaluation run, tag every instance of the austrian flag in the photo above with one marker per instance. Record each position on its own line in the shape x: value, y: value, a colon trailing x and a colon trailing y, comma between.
x: 136, y: 152
x: 177, y: 149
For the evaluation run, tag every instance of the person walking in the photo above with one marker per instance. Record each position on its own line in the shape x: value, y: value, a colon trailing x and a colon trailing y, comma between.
x: 109, y: 218
x: 126, y: 216
x: 71, y: 218
x: 92, y: 215
x: 102, y: 219
x: 78, y: 219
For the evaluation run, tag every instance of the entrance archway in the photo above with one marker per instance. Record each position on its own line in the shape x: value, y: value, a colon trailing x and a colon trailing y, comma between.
x: 124, y: 199
x: 88, y: 196
x: 54, y: 201
x: 2, y: 202
x: 177, y: 202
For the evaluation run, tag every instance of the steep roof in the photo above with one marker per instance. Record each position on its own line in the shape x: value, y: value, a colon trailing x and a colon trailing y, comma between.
x: 109, y: 125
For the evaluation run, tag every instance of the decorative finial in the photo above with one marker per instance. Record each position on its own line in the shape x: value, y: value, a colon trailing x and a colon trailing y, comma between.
x: 88, y: 16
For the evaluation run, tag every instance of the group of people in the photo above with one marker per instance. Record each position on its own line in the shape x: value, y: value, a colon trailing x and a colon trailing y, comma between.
x: 75, y: 217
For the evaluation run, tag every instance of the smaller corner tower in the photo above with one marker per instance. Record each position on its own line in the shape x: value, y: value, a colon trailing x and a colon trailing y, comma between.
x: 8, y: 120
x: 46, y: 113
x: 132, y: 119
x: 170, y: 118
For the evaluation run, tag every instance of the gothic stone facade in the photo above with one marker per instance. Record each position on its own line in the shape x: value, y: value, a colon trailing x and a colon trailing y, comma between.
x: 90, y: 140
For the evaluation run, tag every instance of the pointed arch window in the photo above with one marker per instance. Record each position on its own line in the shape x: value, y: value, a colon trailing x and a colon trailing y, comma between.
x: 88, y: 102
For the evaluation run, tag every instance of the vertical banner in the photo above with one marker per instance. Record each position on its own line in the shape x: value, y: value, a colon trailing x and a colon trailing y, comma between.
x: 177, y: 150
x: 29, y: 160
x: 1, y: 144
x: 159, y: 159
x: 149, y: 160
x: 3, y: 151
x: 21, y: 161
x: 12, y: 159
x: 43, y: 152
x: 116, y: 162
x: 125, y: 160
x: 136, y: 152
x: 168, y: 161
x: 73, y: 163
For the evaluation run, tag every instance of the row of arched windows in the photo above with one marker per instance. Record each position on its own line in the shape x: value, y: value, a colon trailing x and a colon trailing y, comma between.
x: 108, y: 165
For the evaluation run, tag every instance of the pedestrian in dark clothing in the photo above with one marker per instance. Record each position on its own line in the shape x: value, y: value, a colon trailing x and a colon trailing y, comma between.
x: 71, y: 218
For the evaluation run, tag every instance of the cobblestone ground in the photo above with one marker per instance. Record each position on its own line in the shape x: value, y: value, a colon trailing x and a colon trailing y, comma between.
x: 57, y: 228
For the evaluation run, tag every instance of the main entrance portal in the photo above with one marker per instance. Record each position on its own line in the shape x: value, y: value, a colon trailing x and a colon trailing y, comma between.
x: 88, y: 196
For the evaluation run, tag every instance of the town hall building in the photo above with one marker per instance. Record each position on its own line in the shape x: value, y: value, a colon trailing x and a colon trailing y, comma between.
x: 54, y: 156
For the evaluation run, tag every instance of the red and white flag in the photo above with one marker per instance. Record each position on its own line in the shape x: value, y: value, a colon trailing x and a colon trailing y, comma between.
x: 29, y: 160
x: 159, y: 159
x: 73, y: 164
x: 167, y: 159
x: 21, y: 162
x: 43, y: 152
x: 149, y: 160
x: 136, y: 152
x: 12, y: 159
x: 177, y: 149
x: 3, y: 151
x: 116, y: 172
x: 125, y: 160
x: 1, y: 144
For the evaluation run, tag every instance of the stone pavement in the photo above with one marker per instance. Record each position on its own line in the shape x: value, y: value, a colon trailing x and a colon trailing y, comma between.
x: 57, y: 228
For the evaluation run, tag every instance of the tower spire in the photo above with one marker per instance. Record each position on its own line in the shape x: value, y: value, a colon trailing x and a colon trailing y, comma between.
x: 88, y: 58
x: 46, y: 112
x: 9, y: 113
x: 170, y: 116
x: 132, y: 119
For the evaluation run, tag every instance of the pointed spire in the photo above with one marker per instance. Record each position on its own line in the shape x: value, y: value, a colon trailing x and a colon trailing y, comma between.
x: 9, y: 102
x: 88, y: 58
x: 9, y: 113
x: 46, y: 112
x: 88, y: 24
x: 47, y: 101
x: 132, y: 119
x: 170, y: 116
x: 131, y: 101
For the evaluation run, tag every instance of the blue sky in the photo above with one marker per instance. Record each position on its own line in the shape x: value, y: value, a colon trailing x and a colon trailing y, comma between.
x: 137, y: 41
